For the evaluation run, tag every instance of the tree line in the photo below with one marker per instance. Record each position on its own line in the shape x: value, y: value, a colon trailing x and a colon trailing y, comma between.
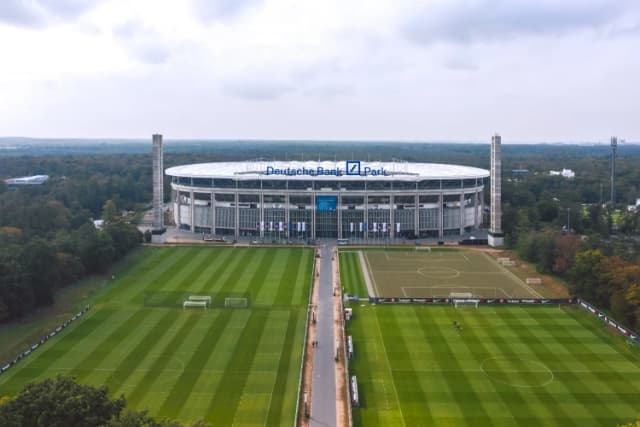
x: 48, y: 242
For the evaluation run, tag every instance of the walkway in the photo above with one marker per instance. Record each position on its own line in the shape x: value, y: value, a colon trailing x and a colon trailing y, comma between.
x: 323, y: 398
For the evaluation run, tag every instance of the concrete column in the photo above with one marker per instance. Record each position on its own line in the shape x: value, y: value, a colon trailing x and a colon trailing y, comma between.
x: 475, y: 209
x: 462, y: 213
x: 178, y: 216
x: 213, y: 213
x: 496, y: 236
x: 191, y: 212
x: 392, y: 216
x: 441, y: 217
x: 365, y: 233
x: 339, y: 207
x: 416, y: 221
x: 237, y: 216
x: 313, y: 216
x: 287, y: 216
x: 158, y: 185
x: 261, y: 219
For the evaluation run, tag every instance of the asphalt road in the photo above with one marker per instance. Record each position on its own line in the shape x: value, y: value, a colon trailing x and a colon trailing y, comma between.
x: 323, y: 401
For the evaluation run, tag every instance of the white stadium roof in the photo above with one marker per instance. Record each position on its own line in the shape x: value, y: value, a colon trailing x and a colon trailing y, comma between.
x: 326, y: 170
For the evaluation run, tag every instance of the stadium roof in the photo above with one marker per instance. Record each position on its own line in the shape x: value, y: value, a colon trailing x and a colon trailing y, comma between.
x: 344, y: 170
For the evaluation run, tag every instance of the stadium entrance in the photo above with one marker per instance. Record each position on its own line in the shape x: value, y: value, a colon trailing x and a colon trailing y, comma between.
x: 327, y: 216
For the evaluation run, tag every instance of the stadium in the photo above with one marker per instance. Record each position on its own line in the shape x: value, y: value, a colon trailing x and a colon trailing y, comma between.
x: 343, y: 199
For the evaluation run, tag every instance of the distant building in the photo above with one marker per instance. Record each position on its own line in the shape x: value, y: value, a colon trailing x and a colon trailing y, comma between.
x: 98, y: 223
x: 27, y: 180
x: 565, y: 173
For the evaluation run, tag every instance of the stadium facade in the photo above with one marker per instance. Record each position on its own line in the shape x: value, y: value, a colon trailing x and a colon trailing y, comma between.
x: 342, y: 199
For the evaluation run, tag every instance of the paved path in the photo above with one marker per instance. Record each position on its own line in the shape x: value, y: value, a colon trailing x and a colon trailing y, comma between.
x: 323, y: 400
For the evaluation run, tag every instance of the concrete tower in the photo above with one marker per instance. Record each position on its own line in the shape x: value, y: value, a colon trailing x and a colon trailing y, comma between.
x: 158, y: 186
x: 496, y: 236
x: 614, y: 147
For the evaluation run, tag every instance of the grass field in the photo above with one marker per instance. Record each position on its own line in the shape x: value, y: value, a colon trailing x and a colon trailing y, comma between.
x: 426, y: 274
x: 227, y: 366
x: 507, y: 366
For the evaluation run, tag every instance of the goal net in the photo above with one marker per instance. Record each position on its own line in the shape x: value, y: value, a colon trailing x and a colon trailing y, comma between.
x: 466, y: 302
x: 192, y: 304
x: 236, y: 303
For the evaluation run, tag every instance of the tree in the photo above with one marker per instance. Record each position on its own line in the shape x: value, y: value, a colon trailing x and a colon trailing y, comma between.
x: 584, y: 275
x: 109, y: 211
x: 60, y: 402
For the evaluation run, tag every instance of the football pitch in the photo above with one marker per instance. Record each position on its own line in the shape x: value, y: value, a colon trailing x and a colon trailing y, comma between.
x: 438, y: 273
x: 505, y: 366
x: 228, y: 366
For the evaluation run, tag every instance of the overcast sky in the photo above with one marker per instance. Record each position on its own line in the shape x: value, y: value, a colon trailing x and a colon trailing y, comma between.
x: 532, y: 70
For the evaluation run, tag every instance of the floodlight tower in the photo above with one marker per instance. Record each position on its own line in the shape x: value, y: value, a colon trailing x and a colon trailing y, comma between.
x: 614, y: 148
x: 496, y: 236
x: 157, y: 226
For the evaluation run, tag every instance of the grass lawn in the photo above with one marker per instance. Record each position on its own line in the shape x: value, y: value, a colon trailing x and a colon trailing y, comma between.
x: 227, y: 366
x: 506, y: 366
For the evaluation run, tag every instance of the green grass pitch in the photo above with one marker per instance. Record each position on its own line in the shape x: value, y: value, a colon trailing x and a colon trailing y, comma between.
x: 429, y: 274
x: 506, y: 366
x: 227, y: 366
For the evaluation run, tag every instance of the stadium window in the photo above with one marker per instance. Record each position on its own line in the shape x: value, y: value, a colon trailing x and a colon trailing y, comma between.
x: 252, y: 184
x: 404, y: 185
x: 378, y: 185
x: 352, y: 185
x: 202, y: 182
x: 451, y: 183
x: 326, y: 185
x: 295, y: 184
x: 429, y: 184
x: 274, y: 184
x: 224, y: 183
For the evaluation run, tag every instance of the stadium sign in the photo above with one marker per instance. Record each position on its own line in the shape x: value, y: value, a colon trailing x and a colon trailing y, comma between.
x: 351, y: 168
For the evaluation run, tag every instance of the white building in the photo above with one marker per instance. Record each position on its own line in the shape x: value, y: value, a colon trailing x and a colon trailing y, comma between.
x: 341, y: 199
x: 565, y: 173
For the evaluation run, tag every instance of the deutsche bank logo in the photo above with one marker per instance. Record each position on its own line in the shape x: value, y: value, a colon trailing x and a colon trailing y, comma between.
x: 353, y: 167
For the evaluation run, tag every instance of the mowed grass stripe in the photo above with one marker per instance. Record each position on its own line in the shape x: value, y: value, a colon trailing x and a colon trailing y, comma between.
x: 284, y: 295
x: 224, y: 403
x: 302, y: 282
x: 447, y: 357
x: 604, y: 381
x: 254, y: 276
x: 410, y: 392
x: 125, y: 283
x: 277, y: 406
x: 142, y: 348
x: 546, y: 354
x: 515, y: 402
x: 155, y: 370
x: 55, y: 351
x: 244, y: 265
x: 114, y: 340
x: 182, y: 388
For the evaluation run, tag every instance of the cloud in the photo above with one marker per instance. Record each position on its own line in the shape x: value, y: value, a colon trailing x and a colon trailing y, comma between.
x: 258, y: 89
x: 211, y: 10
x: 39, y: 13
x: 146, y: 45
x: 464, y: 21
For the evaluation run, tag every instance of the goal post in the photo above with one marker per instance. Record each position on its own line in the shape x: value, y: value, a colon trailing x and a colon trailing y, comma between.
x: 466, y: 301
x: 205, y: 298
x: 235, y: 302
x: 191, y: 304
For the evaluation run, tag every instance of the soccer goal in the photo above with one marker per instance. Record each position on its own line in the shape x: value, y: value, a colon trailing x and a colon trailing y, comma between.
x: 205, y: 298
x: 192, y: 304
x: 534, y: 281
x: 236, y: 303
x: 466, y: 302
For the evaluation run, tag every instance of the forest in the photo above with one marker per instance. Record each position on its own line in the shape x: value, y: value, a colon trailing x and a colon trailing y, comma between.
x: 566, y: 227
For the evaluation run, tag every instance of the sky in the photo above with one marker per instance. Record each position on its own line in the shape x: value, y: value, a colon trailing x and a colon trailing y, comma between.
x: 432, y: 70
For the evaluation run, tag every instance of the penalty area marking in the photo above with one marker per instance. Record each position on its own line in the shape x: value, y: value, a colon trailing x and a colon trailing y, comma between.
x: 438, y: 272
x: 534, y: 367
